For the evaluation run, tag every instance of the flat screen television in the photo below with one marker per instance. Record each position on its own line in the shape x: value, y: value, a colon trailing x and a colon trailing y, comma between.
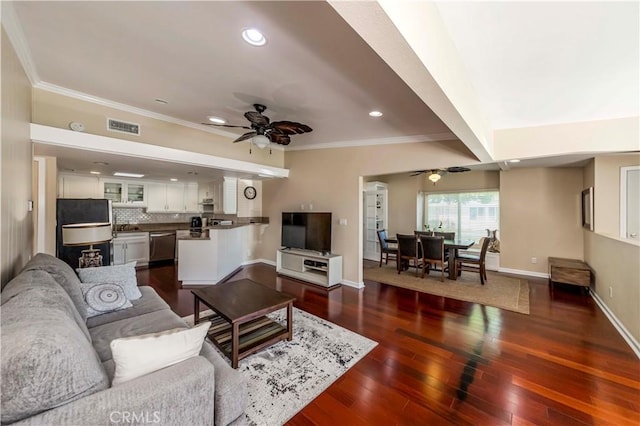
x: 308, y: 231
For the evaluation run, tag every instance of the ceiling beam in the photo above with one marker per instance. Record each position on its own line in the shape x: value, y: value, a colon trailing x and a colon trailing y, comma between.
x: 412, y: 39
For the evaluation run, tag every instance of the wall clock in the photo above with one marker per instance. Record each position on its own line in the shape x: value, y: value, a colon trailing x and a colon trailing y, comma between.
x: 250, y: 193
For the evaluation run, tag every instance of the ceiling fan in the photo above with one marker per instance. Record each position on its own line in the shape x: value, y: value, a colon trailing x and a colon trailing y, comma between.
x: 436, y: 174
x: 264, y: 131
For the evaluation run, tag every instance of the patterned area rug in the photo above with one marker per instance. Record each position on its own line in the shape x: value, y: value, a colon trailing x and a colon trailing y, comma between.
x: 499, y: 290
x: 285, y: 377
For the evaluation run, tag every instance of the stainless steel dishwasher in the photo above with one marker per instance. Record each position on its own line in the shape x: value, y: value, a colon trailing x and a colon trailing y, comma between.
x: 162, y: 246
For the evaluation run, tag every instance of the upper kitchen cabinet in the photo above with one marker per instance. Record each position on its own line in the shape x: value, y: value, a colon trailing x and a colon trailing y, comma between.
x: 225, y: 196
x: 172, y: 197
x: 123, y: 193
x: 74, y: 186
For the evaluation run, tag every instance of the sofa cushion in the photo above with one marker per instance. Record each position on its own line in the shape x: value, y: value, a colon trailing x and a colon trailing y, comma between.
x: 231, y: 396
x: 63, y: 274
x: 140, y: 355
x: 102, y: 298
x: 41, y: 285
x: 46, y: 361
x: 153, y: 322
x: 124, y: 275
x: 149, y: 302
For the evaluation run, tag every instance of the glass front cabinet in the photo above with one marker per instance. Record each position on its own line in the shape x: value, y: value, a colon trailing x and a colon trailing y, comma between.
x: 123, y: 193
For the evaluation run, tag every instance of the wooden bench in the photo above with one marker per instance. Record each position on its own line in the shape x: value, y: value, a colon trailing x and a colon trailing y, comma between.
x: 569, y: 271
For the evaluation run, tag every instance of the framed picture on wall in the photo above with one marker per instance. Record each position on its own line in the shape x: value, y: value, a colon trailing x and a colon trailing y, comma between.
x: 587, y: 208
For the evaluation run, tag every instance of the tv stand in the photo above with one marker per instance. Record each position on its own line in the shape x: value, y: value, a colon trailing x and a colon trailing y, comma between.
x: 311, y: 266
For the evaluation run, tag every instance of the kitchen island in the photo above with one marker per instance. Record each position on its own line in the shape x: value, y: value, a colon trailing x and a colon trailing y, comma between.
x: 207, y: 260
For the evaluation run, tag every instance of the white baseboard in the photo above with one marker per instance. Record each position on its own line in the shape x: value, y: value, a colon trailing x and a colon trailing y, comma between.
x: 523, y: 272
x: 353, y: 283
x: 631, y: 341
x: 253, y: 261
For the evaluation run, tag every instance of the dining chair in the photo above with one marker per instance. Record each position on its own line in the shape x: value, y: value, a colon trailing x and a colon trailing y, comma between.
x: 445, y: 235
x: 423, y: 233
x: 385, y: 249
x: 433, y: 253
x: 467, y: 262
x: 409, y: 253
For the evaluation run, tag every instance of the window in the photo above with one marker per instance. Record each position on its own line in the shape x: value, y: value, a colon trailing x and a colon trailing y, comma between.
x: 469, y: 214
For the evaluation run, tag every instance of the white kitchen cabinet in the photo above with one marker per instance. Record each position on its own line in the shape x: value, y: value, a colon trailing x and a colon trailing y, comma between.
x: 226, y: 196
x: 123, y: 193
x: 191, y: 200
x: 131, y: 246
x: 172, y: 197
x: 156, y: 197
x: 77, y: 186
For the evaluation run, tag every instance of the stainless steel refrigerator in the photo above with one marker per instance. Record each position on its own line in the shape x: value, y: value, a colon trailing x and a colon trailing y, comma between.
x: 81, y: 210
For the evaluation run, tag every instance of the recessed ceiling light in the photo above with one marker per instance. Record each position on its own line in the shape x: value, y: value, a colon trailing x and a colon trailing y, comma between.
x: 173, y: 180
x: 161, y: 101
x: 100, y: 163
x: 93, y: 172
x: 124, y: 174
x: 216, y: 120
x: 375, y: 114
x: 514, y: 161
x: 254, y: 37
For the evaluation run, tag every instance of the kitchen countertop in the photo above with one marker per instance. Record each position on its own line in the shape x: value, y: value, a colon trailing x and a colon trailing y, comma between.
x: 182, y: 226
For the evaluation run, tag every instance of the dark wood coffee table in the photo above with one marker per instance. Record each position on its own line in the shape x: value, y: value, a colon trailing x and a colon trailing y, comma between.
x: 239, y: 326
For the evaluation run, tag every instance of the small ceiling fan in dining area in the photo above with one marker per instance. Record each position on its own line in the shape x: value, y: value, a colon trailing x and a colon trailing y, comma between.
x: 434, y: 175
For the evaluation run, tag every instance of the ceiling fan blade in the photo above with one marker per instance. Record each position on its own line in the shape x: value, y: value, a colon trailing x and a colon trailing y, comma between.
x: 246, y: 136
x: 279, y: 138
x: 225, y: 125
x: 458, y: 169
x: 256, y: 118
x: 290, y: 127
x: 418, y: 172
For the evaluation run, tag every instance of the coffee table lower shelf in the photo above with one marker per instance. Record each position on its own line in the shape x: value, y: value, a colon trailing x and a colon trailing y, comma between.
x: 254, y: 335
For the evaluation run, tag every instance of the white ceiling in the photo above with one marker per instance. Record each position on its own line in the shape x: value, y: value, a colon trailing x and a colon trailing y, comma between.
x: 530, y: 63
x: 537, y: 63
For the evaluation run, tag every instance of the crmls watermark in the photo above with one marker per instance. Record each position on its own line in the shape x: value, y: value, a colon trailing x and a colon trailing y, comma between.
x: 134, y: 417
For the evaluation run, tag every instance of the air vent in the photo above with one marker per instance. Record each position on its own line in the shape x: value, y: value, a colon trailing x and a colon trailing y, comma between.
x: 123, y: 127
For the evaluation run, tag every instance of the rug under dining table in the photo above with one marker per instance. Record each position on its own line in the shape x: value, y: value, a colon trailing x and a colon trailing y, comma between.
x: 500, y: 291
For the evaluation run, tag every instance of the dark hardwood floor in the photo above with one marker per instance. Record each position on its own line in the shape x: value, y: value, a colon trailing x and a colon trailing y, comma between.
x: 442, y: 361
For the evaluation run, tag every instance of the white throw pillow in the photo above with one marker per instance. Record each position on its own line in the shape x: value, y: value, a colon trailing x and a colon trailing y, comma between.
x: 125, y: 275
x: 102, y: 298
x: 139, y: 355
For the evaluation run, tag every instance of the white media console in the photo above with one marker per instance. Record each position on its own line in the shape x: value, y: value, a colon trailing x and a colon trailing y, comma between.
x: 310, y: 266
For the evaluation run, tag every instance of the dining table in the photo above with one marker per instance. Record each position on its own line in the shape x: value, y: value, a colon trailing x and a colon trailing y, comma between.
x: 452, y: 246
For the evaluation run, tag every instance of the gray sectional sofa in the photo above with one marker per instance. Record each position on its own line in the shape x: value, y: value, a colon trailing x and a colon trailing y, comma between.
x: 57, y: 366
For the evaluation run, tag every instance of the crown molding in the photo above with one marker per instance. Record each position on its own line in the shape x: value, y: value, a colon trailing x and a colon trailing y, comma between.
x: 128, y: 108
x: 14, y: 30
x: 378, y: 141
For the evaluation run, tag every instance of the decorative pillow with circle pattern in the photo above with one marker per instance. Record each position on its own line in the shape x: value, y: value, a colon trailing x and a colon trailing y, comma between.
x: 102, y: 298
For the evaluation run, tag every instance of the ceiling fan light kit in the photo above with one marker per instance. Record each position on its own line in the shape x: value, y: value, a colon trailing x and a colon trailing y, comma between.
x: 261, y: 141
x: 434, y: 177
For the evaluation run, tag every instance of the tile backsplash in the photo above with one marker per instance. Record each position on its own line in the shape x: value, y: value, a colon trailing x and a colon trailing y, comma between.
x: 123, y: 215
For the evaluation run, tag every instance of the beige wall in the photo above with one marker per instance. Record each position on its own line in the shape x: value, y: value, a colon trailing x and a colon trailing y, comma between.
x: 15, y: 158
x: 600, y: 136
x: 539, y: 216
x: 616, y: 265
x: 404, y: 190
x: 329, y: 179
x: 606, y: 191
x: 55, y: 110
x: 615, y: 262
